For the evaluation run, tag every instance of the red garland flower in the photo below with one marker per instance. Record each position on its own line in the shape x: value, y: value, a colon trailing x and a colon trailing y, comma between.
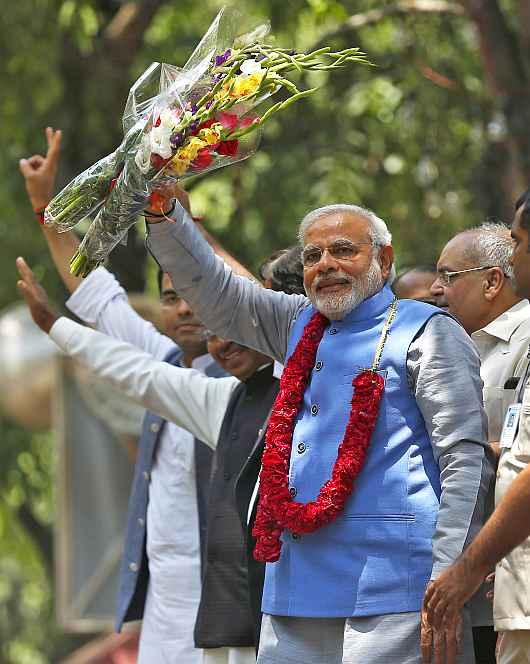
x: 276, y: 509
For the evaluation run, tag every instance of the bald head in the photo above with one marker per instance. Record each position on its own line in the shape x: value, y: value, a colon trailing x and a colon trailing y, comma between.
x: 415, y: 284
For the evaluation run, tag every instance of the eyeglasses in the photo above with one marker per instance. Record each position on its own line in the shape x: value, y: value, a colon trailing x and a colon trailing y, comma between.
x: 446, y: 278
x: 341, y: 250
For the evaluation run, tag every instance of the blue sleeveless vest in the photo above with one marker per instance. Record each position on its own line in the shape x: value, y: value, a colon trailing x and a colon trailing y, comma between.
x: 134, y: 570
x: 376, y: 558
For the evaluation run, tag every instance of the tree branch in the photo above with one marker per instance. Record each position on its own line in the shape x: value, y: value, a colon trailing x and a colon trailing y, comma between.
x: 402, y: 8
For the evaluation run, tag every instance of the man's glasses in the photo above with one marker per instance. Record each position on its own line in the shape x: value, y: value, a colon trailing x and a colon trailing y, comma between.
x: 342, y: 250
x: 446, y: 277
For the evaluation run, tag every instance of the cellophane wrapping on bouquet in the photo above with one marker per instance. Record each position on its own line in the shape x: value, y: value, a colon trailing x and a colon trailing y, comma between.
x: 180, y: 122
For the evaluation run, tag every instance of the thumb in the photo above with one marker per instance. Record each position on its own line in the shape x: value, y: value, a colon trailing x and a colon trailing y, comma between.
x: 25, y: 167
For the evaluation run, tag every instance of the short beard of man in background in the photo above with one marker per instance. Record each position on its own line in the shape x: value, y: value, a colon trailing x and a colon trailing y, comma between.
x: 337, y: 305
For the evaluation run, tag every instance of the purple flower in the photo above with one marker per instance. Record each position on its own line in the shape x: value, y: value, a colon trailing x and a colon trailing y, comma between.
x: 221, y: 59
x: 218, y: 77
x: 208, y: 104
x: 176, y: 139
x: 194, y: 109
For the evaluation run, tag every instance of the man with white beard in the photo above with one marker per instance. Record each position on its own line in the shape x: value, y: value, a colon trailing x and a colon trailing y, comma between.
x: 379, y: 514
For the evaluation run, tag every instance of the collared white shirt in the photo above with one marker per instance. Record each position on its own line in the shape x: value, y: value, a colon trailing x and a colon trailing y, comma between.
x: 503, y: 346
x: 173, y: 545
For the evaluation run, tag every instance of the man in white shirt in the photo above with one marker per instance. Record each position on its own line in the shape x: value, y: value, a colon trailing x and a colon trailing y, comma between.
x: 475, y: 283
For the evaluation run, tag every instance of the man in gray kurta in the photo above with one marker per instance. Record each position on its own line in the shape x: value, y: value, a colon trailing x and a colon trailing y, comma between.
x: 442, y: 372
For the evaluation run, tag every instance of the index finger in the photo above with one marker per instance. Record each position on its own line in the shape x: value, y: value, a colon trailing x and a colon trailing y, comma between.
x: 24, y: 270
x: 54, y: 143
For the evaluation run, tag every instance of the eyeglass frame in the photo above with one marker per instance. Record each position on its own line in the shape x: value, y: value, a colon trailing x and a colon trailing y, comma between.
x: 353, y: 244
x: 445, y: 276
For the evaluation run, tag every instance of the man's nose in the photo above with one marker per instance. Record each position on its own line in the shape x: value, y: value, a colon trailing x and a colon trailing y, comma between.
x: 184, y: 309
x: 436, y: 287
x: 327, y: 262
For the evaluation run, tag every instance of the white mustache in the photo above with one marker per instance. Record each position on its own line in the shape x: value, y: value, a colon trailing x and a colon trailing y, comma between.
x: 337, y: 274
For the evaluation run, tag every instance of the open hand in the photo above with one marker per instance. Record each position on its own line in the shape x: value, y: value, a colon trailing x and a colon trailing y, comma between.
x: 40, y: 172
x: 36, y: 298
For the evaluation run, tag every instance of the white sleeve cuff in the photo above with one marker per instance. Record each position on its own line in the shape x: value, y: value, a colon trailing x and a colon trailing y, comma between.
x: 93, y: 295
x: 62, y: 331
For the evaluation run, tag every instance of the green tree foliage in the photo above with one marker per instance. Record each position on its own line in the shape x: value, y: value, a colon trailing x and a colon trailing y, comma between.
x: 434, y: 137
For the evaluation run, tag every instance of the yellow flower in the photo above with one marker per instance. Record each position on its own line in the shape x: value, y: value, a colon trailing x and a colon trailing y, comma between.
x: 245, y: 84
x: 211, y: 135
x: 178, y: 166
x: 190, y: 149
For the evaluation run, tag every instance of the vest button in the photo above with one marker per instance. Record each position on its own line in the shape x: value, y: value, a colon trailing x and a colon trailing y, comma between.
x: 301, y: 448
x: 314, y: 409
x: 155, y: 428
x: 296, y: 536
x: 141, y: 522
x: 133, y: 567
x: 319, y: 365
x: 333, y: 330
x: 146, y: 475
x: 292, y: 491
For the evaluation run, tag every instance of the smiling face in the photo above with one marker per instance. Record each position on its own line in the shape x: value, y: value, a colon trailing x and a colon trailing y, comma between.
x: 180, y: 323
x: 239, y: 361
x: 341, y: 265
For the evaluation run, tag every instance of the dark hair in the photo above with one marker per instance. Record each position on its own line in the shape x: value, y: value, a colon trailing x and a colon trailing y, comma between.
x: 524, y: 200
x: 286, y: 271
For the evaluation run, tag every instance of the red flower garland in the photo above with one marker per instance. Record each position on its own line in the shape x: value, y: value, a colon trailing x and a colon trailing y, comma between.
x: 276, y: 509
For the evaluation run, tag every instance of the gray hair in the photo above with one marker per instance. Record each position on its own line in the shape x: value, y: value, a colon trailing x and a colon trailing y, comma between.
x: 491, y: 245
x: 379, y: 233
x: 378, y: 230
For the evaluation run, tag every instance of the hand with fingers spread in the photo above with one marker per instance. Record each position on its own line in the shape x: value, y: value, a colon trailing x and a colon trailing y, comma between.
x: 40, y: 172
x: 36, y: 298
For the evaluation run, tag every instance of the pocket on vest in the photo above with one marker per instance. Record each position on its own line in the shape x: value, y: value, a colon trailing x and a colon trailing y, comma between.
x: 380, y: 555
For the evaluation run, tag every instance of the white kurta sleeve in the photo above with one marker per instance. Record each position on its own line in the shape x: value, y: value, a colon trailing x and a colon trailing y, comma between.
x: 101, y: 301
x: 186, y: 397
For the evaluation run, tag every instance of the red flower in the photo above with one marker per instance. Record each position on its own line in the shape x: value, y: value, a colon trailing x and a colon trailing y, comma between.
x: 228, y: 148
x: 157, y: 162
x: 228, y: 120
x: 203, y: 159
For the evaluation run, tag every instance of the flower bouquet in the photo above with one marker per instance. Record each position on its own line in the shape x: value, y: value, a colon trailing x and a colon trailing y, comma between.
x: 181, y: 122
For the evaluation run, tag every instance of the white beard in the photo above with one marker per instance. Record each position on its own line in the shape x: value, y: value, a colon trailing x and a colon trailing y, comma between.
x: 337, y: 305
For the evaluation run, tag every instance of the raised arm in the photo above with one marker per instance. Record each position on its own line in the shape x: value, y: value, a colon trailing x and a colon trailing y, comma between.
x: 39, y: 177
x: 230, y: 305
x: 184, y: 396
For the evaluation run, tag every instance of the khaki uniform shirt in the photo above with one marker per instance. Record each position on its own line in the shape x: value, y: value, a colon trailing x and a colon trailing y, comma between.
x: 511, y: 609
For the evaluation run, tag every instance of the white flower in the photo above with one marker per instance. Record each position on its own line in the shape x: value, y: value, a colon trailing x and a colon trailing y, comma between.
x: 250, y: 67
x: 168, y: 119
x: 160, y: 141
x: 143, y: 154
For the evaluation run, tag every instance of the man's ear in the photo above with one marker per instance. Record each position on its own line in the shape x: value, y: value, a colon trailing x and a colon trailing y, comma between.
x: 493, y: 283
x: 386, y: 260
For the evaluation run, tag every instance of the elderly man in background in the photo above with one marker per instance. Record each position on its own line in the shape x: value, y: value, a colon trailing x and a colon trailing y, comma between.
x: 475, y: 283
x: 505, y: 538
x: 419, y: 491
